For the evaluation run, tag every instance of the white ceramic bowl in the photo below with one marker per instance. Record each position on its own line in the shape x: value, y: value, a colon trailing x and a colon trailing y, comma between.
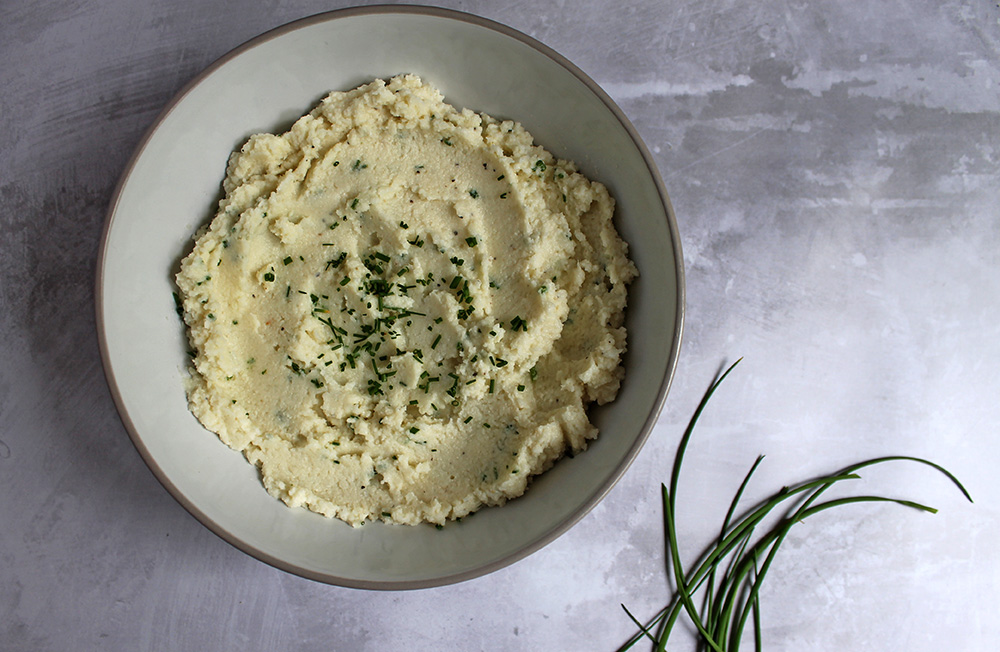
x: 172, y: 184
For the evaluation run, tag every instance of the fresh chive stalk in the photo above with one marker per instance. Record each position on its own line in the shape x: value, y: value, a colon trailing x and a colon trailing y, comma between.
x: 732, y: 569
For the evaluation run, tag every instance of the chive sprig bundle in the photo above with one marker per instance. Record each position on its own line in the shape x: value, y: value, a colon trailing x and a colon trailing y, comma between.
x: 730, y: 572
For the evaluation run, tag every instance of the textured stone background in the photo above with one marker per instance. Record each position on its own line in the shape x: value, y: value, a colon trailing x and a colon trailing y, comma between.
x: 835, y: 168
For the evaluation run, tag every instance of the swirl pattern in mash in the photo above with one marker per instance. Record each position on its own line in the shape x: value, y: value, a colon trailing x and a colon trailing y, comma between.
x: 402, y: 311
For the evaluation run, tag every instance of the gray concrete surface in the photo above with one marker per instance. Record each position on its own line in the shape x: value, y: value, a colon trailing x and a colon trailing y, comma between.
x: 835, y: 168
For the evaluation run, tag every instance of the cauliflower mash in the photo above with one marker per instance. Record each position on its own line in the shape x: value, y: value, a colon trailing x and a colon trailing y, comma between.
x: 401, y: 310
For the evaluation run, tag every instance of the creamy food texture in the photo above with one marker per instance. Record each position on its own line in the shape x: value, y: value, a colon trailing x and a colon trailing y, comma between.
x: 401, y: 310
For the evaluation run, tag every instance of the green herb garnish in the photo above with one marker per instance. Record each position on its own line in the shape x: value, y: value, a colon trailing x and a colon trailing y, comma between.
x: 731, y: 570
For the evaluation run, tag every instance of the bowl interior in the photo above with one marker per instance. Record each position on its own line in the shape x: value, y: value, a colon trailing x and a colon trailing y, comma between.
x: 173, y: 184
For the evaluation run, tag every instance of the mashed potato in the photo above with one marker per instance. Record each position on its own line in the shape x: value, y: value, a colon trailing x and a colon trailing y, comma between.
x: 401, y: 310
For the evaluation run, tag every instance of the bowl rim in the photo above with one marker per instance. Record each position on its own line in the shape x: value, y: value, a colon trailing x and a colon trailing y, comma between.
x: 559, y: 528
